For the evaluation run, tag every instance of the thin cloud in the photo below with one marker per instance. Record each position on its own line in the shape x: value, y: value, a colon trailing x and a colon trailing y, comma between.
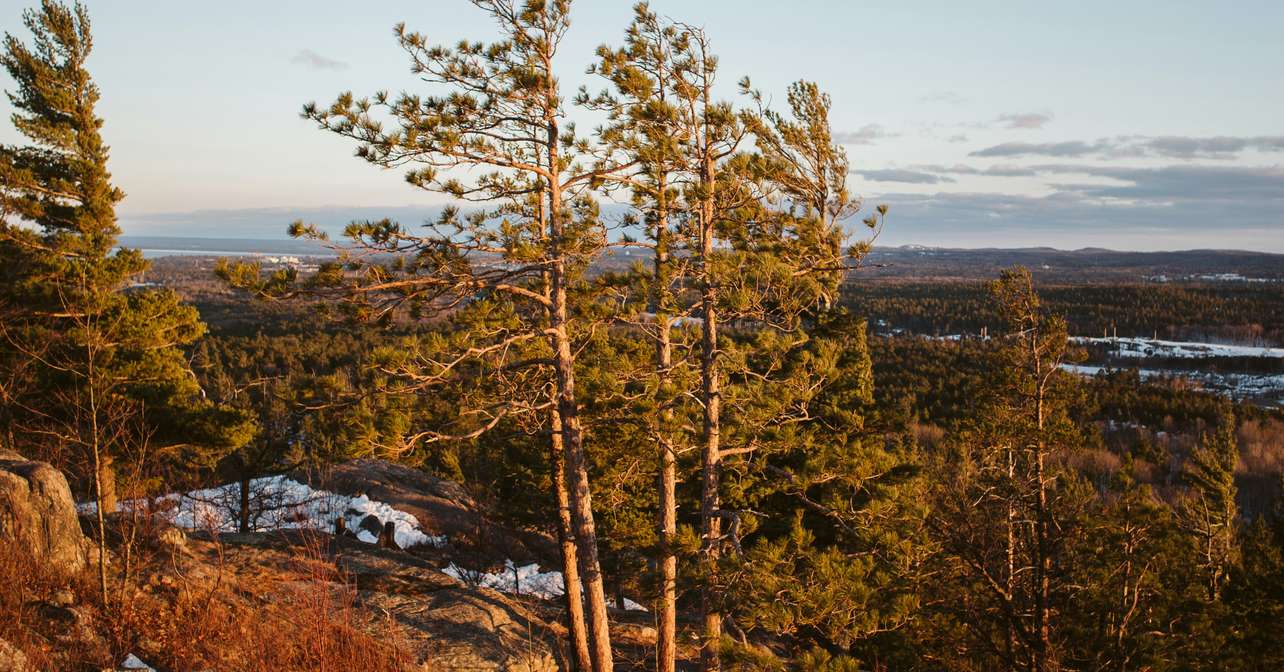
x: 1058, y: 149
x: 1250, y: 184
x: 1029, y: 120
x: 1220, y: 147
x: 312, y: 59
x: 1249, y: 223
x: 947, y: 97
x: 1168, y: 146
x: 992, y: 171
x: 865, y: 135
x: 902, y: 175
x: 1254, y: 186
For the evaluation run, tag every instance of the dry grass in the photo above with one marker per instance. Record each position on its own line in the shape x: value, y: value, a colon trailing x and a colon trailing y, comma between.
x: 308, y: 619
x: 27, y: 620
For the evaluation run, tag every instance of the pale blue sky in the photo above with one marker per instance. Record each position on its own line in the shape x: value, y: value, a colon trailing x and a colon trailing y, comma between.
x: 1127, y: 124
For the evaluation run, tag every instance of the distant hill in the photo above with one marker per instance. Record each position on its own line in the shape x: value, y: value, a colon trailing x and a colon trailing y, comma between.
x: 158, y: 245
x: 1083, y: 265
x: 907, y: 262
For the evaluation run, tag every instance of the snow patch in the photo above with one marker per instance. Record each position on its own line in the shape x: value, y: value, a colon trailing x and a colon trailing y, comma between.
x: 132, y: 662
x: 524, y: 580
x: 281, y: 503
x: 1145, y: 347
x: 1238, y: 386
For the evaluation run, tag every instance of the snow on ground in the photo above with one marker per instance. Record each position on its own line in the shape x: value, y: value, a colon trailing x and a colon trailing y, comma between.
x: 524, y: 580
x: 1233, y: 385
x: 282, y: 503
x: 132, y: 662
x: 1145, y: 347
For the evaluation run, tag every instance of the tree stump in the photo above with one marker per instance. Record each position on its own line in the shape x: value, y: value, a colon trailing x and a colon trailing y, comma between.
x: 388, y: 538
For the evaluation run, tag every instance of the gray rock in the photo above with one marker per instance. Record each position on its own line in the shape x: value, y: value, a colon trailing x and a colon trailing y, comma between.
x: 38, y: 513
x: 371, y: 524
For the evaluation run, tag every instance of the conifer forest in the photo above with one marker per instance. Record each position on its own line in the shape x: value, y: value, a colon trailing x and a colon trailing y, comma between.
x: 648, y: 389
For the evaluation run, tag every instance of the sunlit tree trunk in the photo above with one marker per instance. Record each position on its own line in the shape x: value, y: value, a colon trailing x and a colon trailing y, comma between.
x: 573, y: 594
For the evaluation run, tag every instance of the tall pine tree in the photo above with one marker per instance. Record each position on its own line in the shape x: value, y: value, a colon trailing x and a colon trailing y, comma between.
x: 103, y: 368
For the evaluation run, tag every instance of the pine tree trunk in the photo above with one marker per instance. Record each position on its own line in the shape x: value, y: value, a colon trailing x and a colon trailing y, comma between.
x: 570, y: 557
x: 1043, y: 525
x: 667, y: 515
x: 1010, y: 577
x: 581, y: 499
x: 711, y: 523
x: 1044, y: 569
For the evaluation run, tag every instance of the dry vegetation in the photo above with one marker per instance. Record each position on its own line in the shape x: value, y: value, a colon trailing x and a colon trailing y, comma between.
x: 178, y: 614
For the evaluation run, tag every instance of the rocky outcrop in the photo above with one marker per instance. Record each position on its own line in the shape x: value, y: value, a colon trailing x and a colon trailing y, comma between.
x: 442, y: 507
x: 443, y: 624
x: 451, y: 626
x: 37, y: 513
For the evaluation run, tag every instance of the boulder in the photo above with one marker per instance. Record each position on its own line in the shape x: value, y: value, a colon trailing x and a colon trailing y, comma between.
x: 442, y: 507
x: 372, y: 524
x: 38, y: 513
x: 464, y: 629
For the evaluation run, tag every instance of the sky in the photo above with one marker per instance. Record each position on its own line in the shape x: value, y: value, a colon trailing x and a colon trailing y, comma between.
x: 1129, y: 125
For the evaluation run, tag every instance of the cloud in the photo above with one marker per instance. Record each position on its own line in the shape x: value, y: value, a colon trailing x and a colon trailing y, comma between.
x: 865, y: 135
x: 992, y: 171
x: 1060, y: 149
x: 902, y: 175
x: 1185, y: 184
x: 266, y: 223
x: 1220, y: 147
x: 1166, y: 146
x: 1070, y: 219
x: 960, y: 137
x: 316, y: 61
x: 1166, y: 184
x: 947, y: 97
x: 1025, y: 120
x: 1164, y: 207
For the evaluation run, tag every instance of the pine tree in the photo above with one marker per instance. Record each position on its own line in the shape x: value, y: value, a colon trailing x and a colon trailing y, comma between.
x: 645, y: 122
x: 1209, y: 512
x: 1127, y: 563
x: 835, y: 557
x: 109, y: 372
x: 501, y: 121
x: 1006, y: 508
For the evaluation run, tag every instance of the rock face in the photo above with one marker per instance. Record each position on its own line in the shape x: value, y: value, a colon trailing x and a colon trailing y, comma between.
x: 443, y: 624
x: 38, y: 513
x: 450, y: 626
x: 441, y: 507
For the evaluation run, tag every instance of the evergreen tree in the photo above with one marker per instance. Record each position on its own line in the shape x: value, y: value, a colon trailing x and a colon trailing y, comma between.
x: 1255, y: 594
x: 1129, y: 568
x: 104, y: 361
x: 837, y: 547
x: 501, y: 121
x: 1208, y: 511
x: 646, y: 123
x: 1007, y: 508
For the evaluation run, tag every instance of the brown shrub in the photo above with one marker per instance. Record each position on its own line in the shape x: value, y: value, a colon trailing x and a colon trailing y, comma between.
x: 310, y: 621
x: 34, y: 613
